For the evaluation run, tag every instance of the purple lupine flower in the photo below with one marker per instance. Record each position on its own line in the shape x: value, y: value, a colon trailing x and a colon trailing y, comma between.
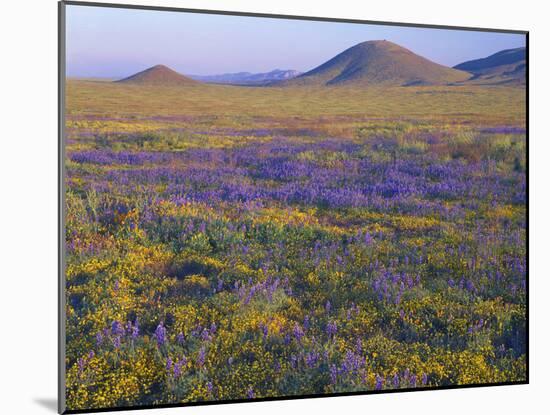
x: 91, y: 355
x: 81, y: 363
x: 287, y: 339
x: 311, y: 359
x: 99, y: 339
x: 265, y: 330
x: 368, y: 239
x: 397, y: 299
x: 306, y: 322
x: 178, y: 366
x: 288, y: 291
x: 168, y: 364
x: 352, y: 361
x: 205, y: 335
x: 117, y: 329
x: 331, y: 329
x: 379, y: 382
x: 134, y: 333
x: 160, y: 334
x: 177, y: 370
x: 116, y: 342
x: 395, y: 381
x: 196, y: 332
x: 249, y: 296
x: 213, y: 328
x: 180, y: 338
x: 333, y: 374
x: 298, y: 332
x: 276, y: 366
x: 413, y: 381
x: 359, y: 346
x: 424, y: 379
x: 270, y: 291
x: 293, y: 361
x: 409, y: 281
x: 201, y: 357
x: 209, y: 387
x: 117, y: 286
x: 328, y: 307
x: 250, y: 393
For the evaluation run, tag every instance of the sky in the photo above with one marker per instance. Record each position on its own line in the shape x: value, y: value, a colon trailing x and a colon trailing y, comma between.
x: 114, y: 43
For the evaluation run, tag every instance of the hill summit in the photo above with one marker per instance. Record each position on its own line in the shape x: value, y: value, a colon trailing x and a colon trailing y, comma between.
x: 379, y: 62
x: 158, y: 75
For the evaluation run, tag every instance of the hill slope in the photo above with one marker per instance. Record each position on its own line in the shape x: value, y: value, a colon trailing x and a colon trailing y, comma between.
x: 506, y: 66
x: 378, y: 62
x: 158, y: 75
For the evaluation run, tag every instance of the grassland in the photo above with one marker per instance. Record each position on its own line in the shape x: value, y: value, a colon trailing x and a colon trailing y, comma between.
x: 491, y: 103
x: 238, y: 242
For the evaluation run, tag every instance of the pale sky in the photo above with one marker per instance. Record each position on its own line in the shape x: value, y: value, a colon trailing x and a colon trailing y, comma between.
x: 111, y: 42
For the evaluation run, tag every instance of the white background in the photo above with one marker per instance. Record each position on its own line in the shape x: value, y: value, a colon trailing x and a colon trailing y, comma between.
x: 28, y: 204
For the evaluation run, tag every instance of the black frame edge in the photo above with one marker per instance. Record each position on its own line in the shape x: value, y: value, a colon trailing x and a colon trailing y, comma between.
x: 61, y: 297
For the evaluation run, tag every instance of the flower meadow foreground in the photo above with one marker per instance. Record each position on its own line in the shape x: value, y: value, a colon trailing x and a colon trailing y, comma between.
x: 255, y: 247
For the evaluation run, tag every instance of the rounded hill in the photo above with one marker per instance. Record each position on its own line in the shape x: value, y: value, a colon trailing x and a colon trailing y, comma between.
x: 158, y: 75
x: 379, y: 62
x: 506, y: 66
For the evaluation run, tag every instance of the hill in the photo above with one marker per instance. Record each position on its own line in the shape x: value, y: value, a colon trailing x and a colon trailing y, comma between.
x: 248, y: 78
x: 158, y: 75
x: 506, y: 66
x: 378, y: 62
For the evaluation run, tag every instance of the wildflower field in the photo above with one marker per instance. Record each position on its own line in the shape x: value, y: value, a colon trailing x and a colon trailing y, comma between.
x: 227, y: 243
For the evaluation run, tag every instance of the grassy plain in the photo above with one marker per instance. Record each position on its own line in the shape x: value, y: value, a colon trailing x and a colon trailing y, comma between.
x: 237, y: 242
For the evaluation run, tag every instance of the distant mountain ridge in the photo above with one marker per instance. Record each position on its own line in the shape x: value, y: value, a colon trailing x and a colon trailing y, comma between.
x: 378, y: 62
x: 248, y: 78
x: 158, y: 75
x: 506, y: 66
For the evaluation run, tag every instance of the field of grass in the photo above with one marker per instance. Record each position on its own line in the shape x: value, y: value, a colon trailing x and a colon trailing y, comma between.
x: 237, y: 242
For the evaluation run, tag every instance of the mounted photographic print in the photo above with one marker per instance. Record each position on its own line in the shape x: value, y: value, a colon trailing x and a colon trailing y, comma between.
x: 258, y: 207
